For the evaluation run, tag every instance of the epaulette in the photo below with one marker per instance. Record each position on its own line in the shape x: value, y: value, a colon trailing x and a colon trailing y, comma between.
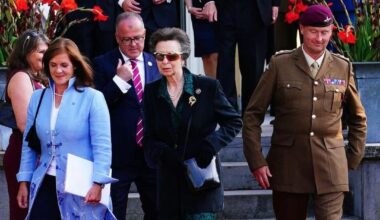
x: 340, y: 56
x: 281, y: 52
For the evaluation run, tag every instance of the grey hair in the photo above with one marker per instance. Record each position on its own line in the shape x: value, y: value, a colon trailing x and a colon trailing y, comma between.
x: 176, y: 34
x: 128, y: 15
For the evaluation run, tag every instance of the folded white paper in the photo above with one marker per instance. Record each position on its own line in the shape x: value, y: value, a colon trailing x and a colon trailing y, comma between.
x: 79, y: 178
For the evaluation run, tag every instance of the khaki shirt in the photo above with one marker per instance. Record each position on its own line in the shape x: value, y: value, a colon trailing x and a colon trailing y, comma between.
x: 307, y: 153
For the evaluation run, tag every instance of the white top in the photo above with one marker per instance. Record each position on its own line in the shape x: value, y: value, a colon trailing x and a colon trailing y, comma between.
x: 53, y: 120
x: 123, y: 85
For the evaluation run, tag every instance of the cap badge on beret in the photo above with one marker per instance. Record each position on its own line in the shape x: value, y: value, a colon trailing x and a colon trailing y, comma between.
x: 327, y: 20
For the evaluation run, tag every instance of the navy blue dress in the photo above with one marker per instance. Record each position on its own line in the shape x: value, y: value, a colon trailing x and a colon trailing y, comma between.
x: 205, y: 34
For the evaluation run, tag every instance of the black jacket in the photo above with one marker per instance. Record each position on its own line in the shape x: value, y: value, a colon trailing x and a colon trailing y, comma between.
x: 210, y: 108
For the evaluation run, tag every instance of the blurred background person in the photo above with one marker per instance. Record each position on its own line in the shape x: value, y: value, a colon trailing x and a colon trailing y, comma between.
x: 169, y: 105
x: 205, y: 36
x: 73, y: 118
x: 23, y: 77
x: 244, y: 24
x: 93, y: 37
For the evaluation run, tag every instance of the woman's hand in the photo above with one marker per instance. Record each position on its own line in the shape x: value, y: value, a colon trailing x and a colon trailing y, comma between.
x: 22, y: 195
x: 94, y: 194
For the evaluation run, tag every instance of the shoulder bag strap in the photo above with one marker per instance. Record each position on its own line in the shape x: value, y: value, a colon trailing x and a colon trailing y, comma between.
x: 187, y: 137
x: 39, y: 104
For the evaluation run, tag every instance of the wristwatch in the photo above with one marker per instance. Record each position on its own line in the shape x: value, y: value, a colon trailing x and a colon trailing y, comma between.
x: 99, y: 184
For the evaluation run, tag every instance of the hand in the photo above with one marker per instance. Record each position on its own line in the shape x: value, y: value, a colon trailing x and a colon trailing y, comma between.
x: 157, y: 2
x: 94, y: 194
x: 274, y: 14
x: 131, y: 6
x: 261, y: 174
x: 198, y: 13
x: 124, y: 71
x: 205, y: 154
x: 209, y: 10
x: 22, y: 195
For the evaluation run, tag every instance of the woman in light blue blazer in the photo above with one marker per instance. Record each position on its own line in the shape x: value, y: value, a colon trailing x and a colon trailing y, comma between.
x: 73, y: 119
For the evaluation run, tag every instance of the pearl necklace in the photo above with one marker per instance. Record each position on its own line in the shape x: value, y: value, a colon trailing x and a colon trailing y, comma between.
x: 57, y: 94
x: 176, y: 95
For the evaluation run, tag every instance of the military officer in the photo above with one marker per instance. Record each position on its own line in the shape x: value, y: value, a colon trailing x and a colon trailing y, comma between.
x: 309, y: 86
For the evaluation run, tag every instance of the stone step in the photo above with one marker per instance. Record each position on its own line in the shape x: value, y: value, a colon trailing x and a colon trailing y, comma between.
x: 240, y: 204
x: 234, y: 151
x: 236, y: 176
x: 248, y: 204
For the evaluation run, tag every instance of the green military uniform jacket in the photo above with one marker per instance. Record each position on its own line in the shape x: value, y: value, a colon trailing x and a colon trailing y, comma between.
x: 307, y: 153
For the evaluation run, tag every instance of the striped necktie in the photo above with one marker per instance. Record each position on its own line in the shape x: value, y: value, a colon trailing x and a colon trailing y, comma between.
x: 139, y: 91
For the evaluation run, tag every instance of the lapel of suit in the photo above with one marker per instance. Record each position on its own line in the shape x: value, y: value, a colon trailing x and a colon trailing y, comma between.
x: 325, y: 66
x: 301, y: 62
x: 148, y: 67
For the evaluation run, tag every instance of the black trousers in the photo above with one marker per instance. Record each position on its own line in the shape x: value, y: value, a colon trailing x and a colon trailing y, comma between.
x: 45, y: 205
x: 145, y: 180
x: 240, y: 24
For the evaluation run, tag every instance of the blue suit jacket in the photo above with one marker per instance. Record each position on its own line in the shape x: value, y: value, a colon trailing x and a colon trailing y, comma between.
x: 124, y: 108
x: 82, y: 129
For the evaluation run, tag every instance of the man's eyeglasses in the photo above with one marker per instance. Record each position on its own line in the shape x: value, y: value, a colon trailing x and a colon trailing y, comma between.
x: 169, y: 56
x: 129, y: 40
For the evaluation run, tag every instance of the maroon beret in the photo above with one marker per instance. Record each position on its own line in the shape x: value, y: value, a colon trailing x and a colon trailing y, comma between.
x: 317, y: 16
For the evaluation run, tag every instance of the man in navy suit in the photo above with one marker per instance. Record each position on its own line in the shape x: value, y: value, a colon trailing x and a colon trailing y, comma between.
x: 155, y: 13
x: 244, y: 23
x: 115, y: 77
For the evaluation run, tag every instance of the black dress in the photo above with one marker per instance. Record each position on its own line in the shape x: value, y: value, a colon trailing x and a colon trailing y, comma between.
x: 205, y: 34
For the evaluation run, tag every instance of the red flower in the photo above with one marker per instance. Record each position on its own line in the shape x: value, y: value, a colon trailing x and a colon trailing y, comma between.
x: 68, y: 5
x: 98, y: 12
x: 55, y: 6
x: 300, y: 7
x: 21, y: 5
x: 347, y: 36
x: 47, y: 1
x: 291, y: 16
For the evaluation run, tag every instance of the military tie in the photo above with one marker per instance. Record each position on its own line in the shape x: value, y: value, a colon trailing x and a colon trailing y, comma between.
x: 314, y: 67
x: 139, y: 91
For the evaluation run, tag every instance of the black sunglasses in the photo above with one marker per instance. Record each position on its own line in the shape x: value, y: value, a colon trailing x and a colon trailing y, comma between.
x: 169, y: 56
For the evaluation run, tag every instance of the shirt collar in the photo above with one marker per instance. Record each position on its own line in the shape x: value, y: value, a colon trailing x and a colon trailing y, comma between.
x: 310, y: 60
x: 140, y: 58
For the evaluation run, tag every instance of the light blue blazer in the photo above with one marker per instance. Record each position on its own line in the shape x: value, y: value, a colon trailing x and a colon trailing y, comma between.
x: 83, y: 129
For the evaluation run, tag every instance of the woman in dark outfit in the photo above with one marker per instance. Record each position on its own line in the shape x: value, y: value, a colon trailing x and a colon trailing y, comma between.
x: 169, y: 104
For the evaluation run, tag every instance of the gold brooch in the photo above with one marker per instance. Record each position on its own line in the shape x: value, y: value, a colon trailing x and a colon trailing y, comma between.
x: 192, y: 100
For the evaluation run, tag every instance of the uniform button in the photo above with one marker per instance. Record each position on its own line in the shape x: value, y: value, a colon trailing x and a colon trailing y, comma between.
x: 316, y: 83
x: 312, y: 134
x: 288, y: 85
x: 315, y: 99
x: 336, y: 90
x: 313, y: 116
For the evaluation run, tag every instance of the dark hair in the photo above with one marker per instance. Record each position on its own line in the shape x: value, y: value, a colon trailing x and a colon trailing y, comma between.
x: 176, y: 34
x: 27, y: 43
x: 82, y: 68
x: 127, y: 15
